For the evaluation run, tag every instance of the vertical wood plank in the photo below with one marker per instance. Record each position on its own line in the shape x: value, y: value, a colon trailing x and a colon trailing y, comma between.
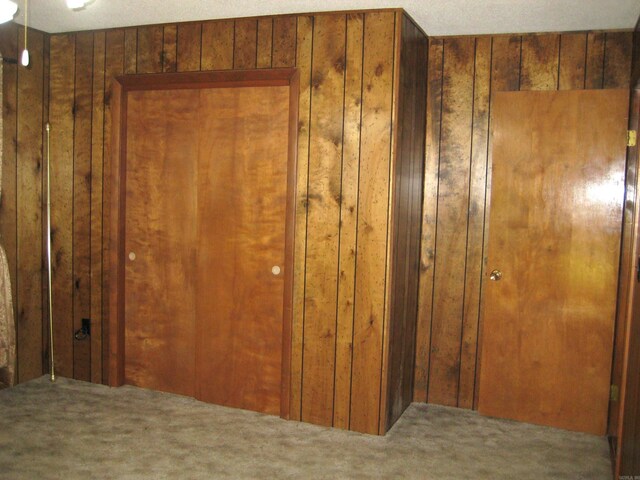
x: 131, y: 50
x: 594, y: 60
x: 81, y: 188
x: 475, y: 231
x: 189, y: 47
x: 617, y: 60
x: 573, y: 50
x: 62, y: 87
x: 348, y: 219
x: 217, y: 45
x: 325, y: 155
x: 284, y: 42
x: 245, y: 44
x: 150, y: 49
x: 505, y: 63
x: 45, y: 287
x: 265, y: 42
x: 452, y: 222
x: 303, y: 63
x: 540, y: 56
x: 429, y: 218
x: 373, y: 201
x: 170, y: 49
x: 8, y: 198
x: 97, y: 126
x: 114, y: 64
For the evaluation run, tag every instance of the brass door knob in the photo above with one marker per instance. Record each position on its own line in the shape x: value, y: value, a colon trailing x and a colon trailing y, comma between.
x: 496, y: 275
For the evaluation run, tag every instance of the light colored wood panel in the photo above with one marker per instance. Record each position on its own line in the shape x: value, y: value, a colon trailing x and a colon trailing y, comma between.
x: 130, y: 50
x: 303, y: 63
x: 170, y: 49
x: 594, y: 60
x: 505, y: 63
x: 150, y: 49
x: 573, y: 51
x: 284, y: 42
x: 556, y: 207
x: 245, y: 44
x: 61, y: 108
x: 617, y: 59
x: 217, y: 45
x: 348, y: 219
x: 265, y: 42
x: 82, y: 202
x: 539, y: 69
x: 97, y: 141
x: 8, y: 199
x: 114, y: 57
x: 452, y: 221
x: 475, y: 231
x: 325, y: 157
x: 429, y: 217
x: 373, y: 201
x: 240, y: 324
x: 189, y: 44
x: 161, y: 213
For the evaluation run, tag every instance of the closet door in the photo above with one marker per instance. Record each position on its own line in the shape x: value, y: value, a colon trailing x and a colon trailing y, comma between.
x: 242, y: 193
x: 204, y: 243
x: 160, y: 232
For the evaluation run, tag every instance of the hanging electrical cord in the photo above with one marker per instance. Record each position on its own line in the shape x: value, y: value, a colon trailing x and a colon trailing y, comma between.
x: 48, y: 199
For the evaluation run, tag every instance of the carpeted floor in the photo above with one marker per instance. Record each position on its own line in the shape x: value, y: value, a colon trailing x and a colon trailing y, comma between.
x: 75, y: 430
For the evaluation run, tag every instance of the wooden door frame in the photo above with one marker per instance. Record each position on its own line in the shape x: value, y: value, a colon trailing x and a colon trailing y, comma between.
x: 115, y: 234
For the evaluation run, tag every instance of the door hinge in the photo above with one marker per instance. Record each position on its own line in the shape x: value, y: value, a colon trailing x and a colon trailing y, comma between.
x: 632, y: 138
x: 614, y: 393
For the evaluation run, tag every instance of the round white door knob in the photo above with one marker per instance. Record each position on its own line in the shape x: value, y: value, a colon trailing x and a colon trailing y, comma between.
x: 132, y: 256
x: 275, y: 270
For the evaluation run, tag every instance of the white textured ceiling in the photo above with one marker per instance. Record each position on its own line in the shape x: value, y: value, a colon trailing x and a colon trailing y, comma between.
x: 436, y: 17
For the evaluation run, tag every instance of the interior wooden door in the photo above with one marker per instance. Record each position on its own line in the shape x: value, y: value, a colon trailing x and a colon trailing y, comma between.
x: 550, y: 283
x: 242, y: 181
x: 205, y: 242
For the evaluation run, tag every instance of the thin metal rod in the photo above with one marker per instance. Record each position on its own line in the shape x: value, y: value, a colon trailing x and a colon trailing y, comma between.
x: 52, y: 370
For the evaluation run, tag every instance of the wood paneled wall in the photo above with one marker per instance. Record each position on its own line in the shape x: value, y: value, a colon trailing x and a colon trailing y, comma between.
x: 462, y: 74
x: 21, y: 219
x: 407, y: 208
x: 348, y: 65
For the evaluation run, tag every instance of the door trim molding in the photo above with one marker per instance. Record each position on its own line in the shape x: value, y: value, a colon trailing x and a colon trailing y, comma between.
x: 114, y: 235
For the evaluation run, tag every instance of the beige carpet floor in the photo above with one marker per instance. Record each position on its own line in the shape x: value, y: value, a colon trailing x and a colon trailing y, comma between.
x: 75, y: 430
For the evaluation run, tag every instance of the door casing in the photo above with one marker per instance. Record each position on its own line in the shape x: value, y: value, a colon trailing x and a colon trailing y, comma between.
x: 115, y: 234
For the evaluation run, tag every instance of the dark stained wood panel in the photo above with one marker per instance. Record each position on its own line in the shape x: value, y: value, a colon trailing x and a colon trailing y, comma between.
x: 540, y: 56
x: 150, y: 49
x: 83, y: 110
x: 97, y: 142
x: 373, y: 201
x: 429, y: 216
x: 265, y: 43
x: 131, y: 50
x: 8, y: 197
x: 573, y: 49
x: 245, y: 43
x: 348, y: 220
x: 475, y: 229
x: 217, y: 45
x: 617, y: 60
x: 321, y: 278
x: 189, y: 47
x: 61, y: 111
x: 594, y: 60
x: 170, y: 48
x: 453, y: 202
x: 284, y: 42
x: 407, y: 211
x: 303, y: 63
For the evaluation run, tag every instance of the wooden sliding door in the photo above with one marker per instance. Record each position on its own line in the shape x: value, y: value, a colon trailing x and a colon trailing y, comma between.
x: 203, y: 250
x: 554, y: 248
